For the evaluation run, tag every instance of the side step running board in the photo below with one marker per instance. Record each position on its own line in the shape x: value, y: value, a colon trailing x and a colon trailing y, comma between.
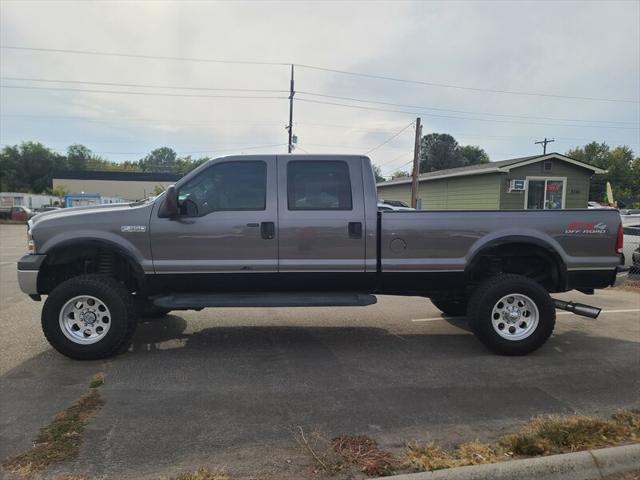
x: 578, y: 308
x: 196, y: 301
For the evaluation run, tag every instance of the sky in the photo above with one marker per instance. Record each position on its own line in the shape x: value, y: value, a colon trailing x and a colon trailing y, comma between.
x: 498, y: 74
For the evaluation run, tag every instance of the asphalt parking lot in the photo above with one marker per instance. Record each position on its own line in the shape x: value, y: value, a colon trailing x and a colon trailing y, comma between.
x: 228, y: 387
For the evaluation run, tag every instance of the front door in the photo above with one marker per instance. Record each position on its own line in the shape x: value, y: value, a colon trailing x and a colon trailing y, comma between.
x: 227, y: 222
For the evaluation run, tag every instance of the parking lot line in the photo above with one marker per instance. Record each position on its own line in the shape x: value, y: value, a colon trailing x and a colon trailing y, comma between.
x: 435, y: 319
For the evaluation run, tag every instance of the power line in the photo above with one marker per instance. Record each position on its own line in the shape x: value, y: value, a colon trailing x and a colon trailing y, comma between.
x: 141, y: 119
x: 459, y: 111
x: 361, y: 100
x: 388, y: 140
x: 140, y: 85
x: 155, y: 94
x: 362, y: 107
x: 461, y: 87
x: 149, y: 57
x: 317, y: 68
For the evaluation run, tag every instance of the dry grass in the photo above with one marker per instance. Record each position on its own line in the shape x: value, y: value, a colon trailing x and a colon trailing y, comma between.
x: 60, y: 440
x: 561, y: 434
x: 363, y: 452
x: 431, y: 457
x: 202, y: 473
x: 541, y: 436
x: 319, y: 447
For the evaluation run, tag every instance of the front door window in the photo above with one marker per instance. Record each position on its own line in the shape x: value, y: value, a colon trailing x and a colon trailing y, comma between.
x: 545, y: 194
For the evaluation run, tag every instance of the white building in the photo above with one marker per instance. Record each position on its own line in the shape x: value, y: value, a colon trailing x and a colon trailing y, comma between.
x: 29, y: 200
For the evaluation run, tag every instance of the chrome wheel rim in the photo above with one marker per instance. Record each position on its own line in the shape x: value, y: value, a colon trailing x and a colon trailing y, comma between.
x: 515, y: 317
x: 85, y: 319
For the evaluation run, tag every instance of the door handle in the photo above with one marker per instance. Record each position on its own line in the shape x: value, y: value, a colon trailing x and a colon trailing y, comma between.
x: 355, y: 229
x: 267, y: 230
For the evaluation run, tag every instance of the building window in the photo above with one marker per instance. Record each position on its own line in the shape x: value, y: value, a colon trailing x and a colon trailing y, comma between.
x: 545, y: 193
x: 547, y: 166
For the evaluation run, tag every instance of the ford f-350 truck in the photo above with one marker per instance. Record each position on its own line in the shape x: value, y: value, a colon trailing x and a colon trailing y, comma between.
x: 305, y: 230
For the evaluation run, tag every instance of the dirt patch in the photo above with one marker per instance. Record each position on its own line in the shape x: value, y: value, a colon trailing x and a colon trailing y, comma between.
x: 202, y: 474
x: 60, y: 440
x: 631, y: 283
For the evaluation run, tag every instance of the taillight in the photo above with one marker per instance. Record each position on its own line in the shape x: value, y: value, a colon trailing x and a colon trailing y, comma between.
x: 620, y: 239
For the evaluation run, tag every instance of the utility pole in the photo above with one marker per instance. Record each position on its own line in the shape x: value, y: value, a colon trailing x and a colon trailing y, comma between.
x: 290, y: 127
x: 544, y: 144
x: 416, y: 165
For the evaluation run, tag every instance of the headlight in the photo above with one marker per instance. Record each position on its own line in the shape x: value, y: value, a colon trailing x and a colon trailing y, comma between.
x: 31, y: 246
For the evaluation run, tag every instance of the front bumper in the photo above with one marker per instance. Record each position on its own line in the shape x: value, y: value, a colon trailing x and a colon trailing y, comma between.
x: 28, y: 269
x: 621, y: 275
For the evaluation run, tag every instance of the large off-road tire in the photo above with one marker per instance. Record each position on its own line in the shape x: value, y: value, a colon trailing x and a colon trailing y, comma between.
x: 146, y: 309
x: 89, y: 317
x: 511, y: 314
x: 455, y: 307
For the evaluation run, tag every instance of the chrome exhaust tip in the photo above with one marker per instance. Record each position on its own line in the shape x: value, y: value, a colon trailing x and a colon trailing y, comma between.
x: 578, y: 308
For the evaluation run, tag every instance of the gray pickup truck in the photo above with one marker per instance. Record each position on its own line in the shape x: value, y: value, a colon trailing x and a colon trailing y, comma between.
x: 305, y: 230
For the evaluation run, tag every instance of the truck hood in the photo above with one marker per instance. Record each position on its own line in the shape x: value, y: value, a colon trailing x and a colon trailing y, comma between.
x: 66, y: 213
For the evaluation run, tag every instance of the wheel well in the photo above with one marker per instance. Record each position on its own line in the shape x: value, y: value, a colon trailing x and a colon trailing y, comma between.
x: 533, y: 261
x: 68, y: 261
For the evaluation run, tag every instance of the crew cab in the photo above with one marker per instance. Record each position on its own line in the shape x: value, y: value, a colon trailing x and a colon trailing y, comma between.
x: 305, y: 230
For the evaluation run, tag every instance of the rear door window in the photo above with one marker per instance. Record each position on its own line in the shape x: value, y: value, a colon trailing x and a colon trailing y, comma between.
x: 318, y: 185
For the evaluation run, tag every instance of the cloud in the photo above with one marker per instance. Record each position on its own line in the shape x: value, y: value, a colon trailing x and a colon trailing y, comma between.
x: 566, y: 48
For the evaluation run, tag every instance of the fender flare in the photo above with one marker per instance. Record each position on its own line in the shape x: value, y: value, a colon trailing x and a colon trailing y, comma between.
x: 132, y: 261
x: 520, y: 239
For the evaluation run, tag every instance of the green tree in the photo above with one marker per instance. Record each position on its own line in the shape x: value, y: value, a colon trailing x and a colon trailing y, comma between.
x: 59, y: 191
x: 473, y: 154
x: 378, y: 174
x: 439, y: 151
x: 623, y: 171
x: 161, y: 159
x: 78, y: 156
x: 400, y: 173
x: 29, y: 167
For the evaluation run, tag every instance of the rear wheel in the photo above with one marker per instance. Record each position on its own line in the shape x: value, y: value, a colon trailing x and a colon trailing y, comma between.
x: 456, y: 307
x: 89, y: 317
x: 511, y: 314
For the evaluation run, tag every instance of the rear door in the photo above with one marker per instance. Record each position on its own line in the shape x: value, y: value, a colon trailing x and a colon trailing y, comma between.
x: 321, y: 214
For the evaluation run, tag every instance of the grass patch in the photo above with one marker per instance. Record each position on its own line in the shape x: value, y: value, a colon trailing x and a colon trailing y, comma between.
x: 432, y: 457
x: 97, y: 380
x: 363, y: 452
x: 546, y: 435
x: 202, y: 474
x: 560, y: 434
x: 60, y: 440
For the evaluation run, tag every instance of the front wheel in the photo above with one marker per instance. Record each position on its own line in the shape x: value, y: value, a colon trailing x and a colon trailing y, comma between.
x: 511, y: 314
x: 89, y: 317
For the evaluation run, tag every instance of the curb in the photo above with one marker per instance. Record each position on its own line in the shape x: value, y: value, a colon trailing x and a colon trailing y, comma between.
x: 585, y: 465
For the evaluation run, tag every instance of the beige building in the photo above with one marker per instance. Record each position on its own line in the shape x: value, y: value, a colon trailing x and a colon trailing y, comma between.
x: 123, y: 185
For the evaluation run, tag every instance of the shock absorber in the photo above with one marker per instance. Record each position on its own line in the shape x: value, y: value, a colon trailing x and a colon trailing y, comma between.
x: 106, y: 262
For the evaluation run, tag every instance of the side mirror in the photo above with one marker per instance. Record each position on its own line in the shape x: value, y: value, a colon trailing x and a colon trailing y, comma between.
x: 169, y: 207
